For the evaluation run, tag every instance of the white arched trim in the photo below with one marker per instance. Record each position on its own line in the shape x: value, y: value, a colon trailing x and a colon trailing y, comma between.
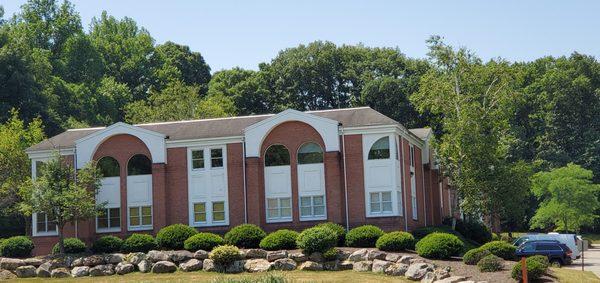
x: 86, y: 146
x: 256, y: 133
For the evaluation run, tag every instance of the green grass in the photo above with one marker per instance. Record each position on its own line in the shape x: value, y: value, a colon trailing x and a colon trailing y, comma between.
x: 574, y: 276
x: 201, y: 276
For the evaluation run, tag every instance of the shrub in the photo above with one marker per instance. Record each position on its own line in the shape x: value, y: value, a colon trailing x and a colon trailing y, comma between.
x: 495, y: 237
x: 471, y: 229
x: 490, y: 263
x: 316, y: 239
x: 203, y: 241
x: 363, y: 236
x: 173, y: 236
x: 473, y: 256
x: 139, y: 243
x: 535, y: 270
x: 72, y: 246
x: 225, y: 254
x: 245, y: 236
x: 506, y: 238
x: 501, y: 249
x: 17, y: 246
x: 439, y: 246
x: 339, y: 230
x: 331, y: 254
x: 280, y: 240
x: 107, y: 244
x: 541, y: 259
x: 395, y: 242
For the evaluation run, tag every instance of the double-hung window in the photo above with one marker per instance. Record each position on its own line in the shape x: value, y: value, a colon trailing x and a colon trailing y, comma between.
x: 381, y: 202
x: 140, y: 216
x: 312, y: 206
x: 44, y: 225
x: 279, y: 208
x: 207, y: 185
x: 109, y: 219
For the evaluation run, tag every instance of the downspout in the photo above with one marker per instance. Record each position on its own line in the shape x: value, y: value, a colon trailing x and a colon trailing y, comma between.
x: 345, y: 176
x: 424, y: 191
x: 404, y: 184
x: 75, y: 178
x: 244, y: 176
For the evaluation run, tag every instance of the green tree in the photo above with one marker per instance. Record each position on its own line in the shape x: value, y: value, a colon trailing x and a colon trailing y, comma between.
x: 247, y: 88
x: 172, y: 62
x: 568, y: 198
x: 63, y: 194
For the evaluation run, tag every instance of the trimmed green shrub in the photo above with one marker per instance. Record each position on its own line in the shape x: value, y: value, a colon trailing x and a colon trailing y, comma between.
x: 139, y: 243
x: 490, y: 263
x: 473, y: 256
x: 495, y: 237
x: 283, y: 239
x: 535, y: 270
x: 506, y: 238
x: 203, y: 241
x: 316, y: 239
x: 225, y: 255
x: 107, y: 244
x: 72, y: 246
x: 541, y: 259
x: 17, y: 246
x: 439, y: 246
x: 339, y: 230
x: 331, y: 254
x: 363, y: 236
x: 173, y: 236
x: 501, y: 249
x: 395, y: 242
x: 245, y: 236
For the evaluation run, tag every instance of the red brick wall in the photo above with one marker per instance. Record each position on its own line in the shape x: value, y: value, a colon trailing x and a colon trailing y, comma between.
x: 177, y: 185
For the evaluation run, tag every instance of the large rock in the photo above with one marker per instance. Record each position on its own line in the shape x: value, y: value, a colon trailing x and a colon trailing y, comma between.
x: 442, y: 273
x: 25, y: 271
x: 144, y: 266
x: 311, y: 266
x: 428, y: 278
x: 275, y: 255
x: 80, y: 271
x: 156, y: 256
x: 201, y: 255
x: 210, y: 265
x: 258, y: 265
x: 6, y: 275
x: 393, y: 257
x: 135, y: 258
x: 346, y: 265
x: 316, y: 257
x: 396, y: 269
x: 102, y: 270
x: 43, y: 271
x: 33, y: 261
x: 359, y: 255
x: 11, y: 263
x: 417, y: 271
x: 452, y: 279
x: 285, y: 264
x: 164, y: 266
x: 93, y: 260
x: 298, y: 257
x: 362, y: 266
x: 191, y: 265
x: 405, y: 259
x: 235, y: 267
x: 77, y: 262
x: 343, y: 255
x: 124, y: 268
x: 374, y: 254
x: 60, y: 272
x: 380, y: 265
x: 256, y: 253
x: 180, y: 256
x: 331, y: 265
x: 114, y: 258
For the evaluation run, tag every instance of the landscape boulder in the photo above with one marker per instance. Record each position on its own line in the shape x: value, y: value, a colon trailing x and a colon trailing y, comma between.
x: 380, y: 265
x: 256, y: 253
x: 359, y: 255
x: 298, y: 257
x: 11, y: 263
x: 393, y: 257
x: 417, y: 271
x: 25, y: 271
x: 373, y: 255
x: 452, y: 279
x: 396, y: 269
x: 60, y: 272
x: 331, y: 265
x: 123, y: 268
x: 362, y: 266
x: 180, y: 256
x: 191, y: 265
x: 80, y: 271
x: 33, y: 261
x: 93, y: 260
x: 6, y: 275
x: 405, y: 259
x: 210, y: 265
x: 316, y: 256
x: 346, y: 265
x: 144, y: 266
x: 257, y: 265
x: 201, y: 255
x: 114, y: 258
x: 102, y: 270
x: 235, y: 267
x: 311, y: 266
x: 135, y: 258
x: 164, y: 266
x: 284, y: 264
x: 156, y: 256
x: 275, y: 255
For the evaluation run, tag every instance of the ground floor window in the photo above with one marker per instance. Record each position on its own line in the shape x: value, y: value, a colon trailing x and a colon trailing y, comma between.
x: 218, y: 211
x: 43, y: 225
x: 279, y: 208
x: 140, y: 216
x: 109, y: 219
x: 217, y: 215
x: 312, y: 206
x: 200, y: 212
x: 380, y: 202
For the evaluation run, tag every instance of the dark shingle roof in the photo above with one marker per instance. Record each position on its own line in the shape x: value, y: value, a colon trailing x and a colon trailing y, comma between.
x: 220, y: 127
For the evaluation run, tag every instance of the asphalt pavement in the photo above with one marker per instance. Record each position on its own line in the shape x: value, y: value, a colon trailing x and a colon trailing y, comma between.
x: 591, y: 261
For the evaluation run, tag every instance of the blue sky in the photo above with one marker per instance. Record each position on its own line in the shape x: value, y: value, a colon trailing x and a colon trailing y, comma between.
x: 245, y: 33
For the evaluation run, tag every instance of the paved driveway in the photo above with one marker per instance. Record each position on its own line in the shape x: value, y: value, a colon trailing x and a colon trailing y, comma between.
x: 592, y: 261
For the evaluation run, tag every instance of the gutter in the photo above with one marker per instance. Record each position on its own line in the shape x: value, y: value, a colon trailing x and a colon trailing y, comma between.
x: 345, y: 177
x: 244, y: 176
x: 403, y: 185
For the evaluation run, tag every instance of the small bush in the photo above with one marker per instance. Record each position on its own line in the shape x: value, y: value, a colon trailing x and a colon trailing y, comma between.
x: 316, y: 239
x: 490, y: 263
x: 506, y: 238
x: 17, y: 246
x: 473, y: 256
x: 107, y: 244
x: 495, y: 237
x: 395, y: 242
x: 541, y: 259
x: 501, y: 249
x: 535, y: 270
x: 203, y: 241
x: 225, y: 255
x: 245, y: 236
x: 331, y: 254
x: 280, y: 240
x: 72, y: 246
x: 139, y: 243
x: 363, y: 236
x: 439, y: 246
x: 339, y: 230
x: 173, y: 236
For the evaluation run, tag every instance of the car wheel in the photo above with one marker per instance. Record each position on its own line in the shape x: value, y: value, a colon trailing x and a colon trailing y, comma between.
x: 556, y: 263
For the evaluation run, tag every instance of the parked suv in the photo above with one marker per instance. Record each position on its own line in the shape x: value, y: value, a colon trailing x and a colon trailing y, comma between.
x: 558, y: 253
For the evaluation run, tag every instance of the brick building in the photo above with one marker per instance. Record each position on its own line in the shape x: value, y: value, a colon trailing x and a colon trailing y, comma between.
x: 288, y: 170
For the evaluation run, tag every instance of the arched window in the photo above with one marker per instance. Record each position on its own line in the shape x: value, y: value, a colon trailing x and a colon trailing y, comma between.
x: 380, y: 149
x: 139, y: 164
x: 277, y: 155
x: 109, y: 167
x: 310, y: 153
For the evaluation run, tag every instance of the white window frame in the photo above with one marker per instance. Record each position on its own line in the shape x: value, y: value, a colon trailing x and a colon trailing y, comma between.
x: 312, y: 205
x: 279, y: 208
x: 413, y: 185
x: 109, y: 229
x: 393, y: 164
x: 140, y: 227
x: 34, y: 216
x: 380, y: 202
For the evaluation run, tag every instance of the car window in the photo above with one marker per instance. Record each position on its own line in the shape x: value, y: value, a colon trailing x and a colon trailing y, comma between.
x: 528, y: 247
x: 547, y: 247
x: 520, y: 241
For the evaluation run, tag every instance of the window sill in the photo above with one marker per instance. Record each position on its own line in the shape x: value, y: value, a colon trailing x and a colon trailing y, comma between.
x: 382, y: 215
x: 210, y: 224
x: 45, y: 234
x: 139, y: 228
x: 313, y: 218
x: 108, y: 230
x: 279, y: 220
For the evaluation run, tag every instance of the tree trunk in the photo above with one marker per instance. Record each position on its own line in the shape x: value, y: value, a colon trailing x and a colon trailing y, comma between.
x: 28, y: 224
x: 61, y: 239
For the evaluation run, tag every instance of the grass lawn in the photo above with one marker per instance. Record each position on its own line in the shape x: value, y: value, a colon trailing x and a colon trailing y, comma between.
x: 574, y: 276
x: 201, y: 276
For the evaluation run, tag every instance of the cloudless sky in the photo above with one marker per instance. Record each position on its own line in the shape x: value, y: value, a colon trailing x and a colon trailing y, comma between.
x: 245, y: 33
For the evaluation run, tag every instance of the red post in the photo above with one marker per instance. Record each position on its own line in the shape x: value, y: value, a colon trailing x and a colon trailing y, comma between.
x: 524, y: 269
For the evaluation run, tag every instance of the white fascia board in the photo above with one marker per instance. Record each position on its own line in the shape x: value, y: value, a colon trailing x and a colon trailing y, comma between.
x: 47, y: 153
x: 383, y: 129
x: 204, y: 142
